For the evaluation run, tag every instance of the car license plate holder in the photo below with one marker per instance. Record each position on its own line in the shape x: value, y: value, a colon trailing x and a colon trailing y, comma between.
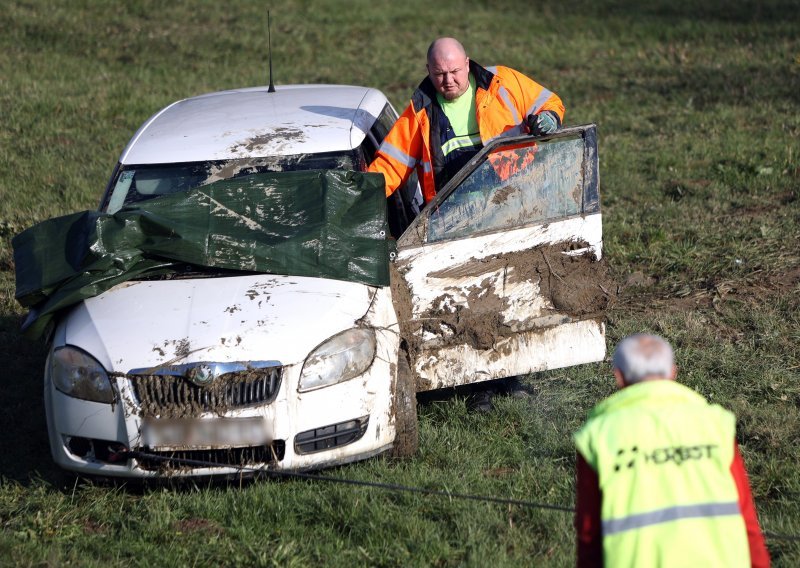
x: 205, y: 433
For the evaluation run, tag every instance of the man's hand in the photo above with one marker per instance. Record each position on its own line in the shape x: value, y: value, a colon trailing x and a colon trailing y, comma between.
x: 545, y: 122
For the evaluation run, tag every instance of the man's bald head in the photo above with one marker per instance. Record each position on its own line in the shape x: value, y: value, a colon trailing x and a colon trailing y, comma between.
x: 448, y: 67
x: 445, y: 47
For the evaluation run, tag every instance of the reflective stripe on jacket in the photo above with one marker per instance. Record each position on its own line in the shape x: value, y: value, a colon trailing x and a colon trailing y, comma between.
x: 663, y: 455
x: 504, y: 98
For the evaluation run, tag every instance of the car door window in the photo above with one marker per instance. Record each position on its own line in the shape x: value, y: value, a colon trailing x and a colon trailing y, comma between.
x: 378, y: 131
x: 384, y: 123
x: 502, y: 273
x: 515, y: 185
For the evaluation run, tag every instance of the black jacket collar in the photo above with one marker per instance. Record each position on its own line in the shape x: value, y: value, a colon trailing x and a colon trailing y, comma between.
x: 425, y: 94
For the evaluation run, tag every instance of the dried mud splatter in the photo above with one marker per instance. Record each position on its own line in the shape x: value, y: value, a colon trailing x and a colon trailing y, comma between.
x: 166, y: 397
x: 277, y: 138
x: 182, y: 348
x: 573, y: 286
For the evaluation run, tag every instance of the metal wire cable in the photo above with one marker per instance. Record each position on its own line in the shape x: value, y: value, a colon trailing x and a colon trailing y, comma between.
x: 386, y: 486
x: 345, y: 481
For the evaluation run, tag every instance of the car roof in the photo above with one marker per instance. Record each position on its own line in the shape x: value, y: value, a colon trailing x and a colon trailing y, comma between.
x: 295, y: 119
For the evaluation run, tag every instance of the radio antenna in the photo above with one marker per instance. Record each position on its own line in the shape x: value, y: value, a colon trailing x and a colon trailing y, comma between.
x: 271, y: 88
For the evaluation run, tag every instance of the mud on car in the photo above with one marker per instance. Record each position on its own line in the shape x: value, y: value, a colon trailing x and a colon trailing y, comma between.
x: 245, y: 294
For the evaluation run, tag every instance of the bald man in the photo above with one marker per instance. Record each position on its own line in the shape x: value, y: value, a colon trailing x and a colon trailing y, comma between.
x: 456, y: 109
x: 660, y: 481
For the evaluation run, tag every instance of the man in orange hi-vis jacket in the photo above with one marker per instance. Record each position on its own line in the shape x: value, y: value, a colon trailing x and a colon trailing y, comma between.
x: 456, y: 109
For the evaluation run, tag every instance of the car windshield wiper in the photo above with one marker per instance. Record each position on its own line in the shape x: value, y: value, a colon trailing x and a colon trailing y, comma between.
x: 184, y: 270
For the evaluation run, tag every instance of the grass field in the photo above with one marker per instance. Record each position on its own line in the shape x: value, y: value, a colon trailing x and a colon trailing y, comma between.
x: 698, y: 112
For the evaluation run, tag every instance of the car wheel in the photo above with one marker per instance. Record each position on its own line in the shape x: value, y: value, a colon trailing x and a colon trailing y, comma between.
x: 406, y: 438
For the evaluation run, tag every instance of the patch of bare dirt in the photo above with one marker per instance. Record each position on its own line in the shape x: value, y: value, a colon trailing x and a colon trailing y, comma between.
x: 499, y: 472
x: 639, y: 280
x: 700, y: 301
x: 93, y: 527
x: 191, y: 526
x: 641, y: 293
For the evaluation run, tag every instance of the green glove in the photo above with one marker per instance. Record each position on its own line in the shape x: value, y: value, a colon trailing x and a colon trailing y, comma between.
x: 545, y: 122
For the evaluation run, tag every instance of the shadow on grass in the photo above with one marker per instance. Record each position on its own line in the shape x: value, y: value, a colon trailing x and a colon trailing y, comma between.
x: 24, y: 447
x: 708, y: 86
x: 503, y: 387
x: 669, y: 12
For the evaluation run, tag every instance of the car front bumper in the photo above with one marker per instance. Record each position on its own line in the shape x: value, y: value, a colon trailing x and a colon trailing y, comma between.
x: 333, y: 425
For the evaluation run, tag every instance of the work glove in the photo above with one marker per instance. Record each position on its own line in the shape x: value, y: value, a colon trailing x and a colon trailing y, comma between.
x: 546, y: 122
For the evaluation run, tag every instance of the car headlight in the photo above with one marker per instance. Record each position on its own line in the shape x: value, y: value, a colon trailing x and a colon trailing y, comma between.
x: 342, y: 357
x: 79, y: 375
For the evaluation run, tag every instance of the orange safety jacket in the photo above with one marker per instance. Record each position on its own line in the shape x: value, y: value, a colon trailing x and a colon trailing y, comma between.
x: 504, y: 98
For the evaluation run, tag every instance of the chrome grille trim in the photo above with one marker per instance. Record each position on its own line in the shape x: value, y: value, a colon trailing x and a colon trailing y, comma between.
x: 171, y: 395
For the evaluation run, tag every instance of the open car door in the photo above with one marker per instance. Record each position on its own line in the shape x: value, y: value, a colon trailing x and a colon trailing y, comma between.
x: 501, y: 274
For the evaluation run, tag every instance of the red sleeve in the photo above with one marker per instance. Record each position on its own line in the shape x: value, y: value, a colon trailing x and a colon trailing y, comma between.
x: 587, y: 515
x: 759, y: 557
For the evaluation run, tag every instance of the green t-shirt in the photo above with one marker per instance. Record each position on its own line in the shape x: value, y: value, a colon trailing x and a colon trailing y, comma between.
x: 461, y: 113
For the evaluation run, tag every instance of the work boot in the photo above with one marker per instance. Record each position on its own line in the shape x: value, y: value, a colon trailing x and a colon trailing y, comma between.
x: 512, y: 386
x: 480, y: 400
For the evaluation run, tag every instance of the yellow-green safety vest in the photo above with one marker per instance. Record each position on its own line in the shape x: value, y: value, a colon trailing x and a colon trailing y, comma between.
x: 662, y: 454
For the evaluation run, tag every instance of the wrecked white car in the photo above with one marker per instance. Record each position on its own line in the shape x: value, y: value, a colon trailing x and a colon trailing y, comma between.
x: 277, y: 311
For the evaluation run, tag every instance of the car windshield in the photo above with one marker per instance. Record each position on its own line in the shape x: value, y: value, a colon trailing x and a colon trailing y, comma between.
x: 134, y: 183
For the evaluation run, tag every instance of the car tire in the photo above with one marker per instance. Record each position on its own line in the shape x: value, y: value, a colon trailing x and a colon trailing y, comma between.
x: 406, y: 439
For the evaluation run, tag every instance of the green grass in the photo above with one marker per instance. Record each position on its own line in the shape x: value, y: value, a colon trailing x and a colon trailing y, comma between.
x: 698, y: 113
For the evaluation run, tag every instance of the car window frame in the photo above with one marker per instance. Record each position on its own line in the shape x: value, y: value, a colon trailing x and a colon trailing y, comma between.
x: 417, y: 232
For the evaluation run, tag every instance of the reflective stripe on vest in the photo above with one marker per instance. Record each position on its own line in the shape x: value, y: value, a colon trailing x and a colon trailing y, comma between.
x: 540, y: 100
x: 503, y: 92
x: 640, y: 520
x: 471, y: 141
x: 397, y: 154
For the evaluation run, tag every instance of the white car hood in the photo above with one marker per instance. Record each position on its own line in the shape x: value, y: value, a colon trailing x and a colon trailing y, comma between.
x: 244, y: 318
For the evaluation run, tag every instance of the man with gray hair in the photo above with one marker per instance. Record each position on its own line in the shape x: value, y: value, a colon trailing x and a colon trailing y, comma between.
x: 660, y: 480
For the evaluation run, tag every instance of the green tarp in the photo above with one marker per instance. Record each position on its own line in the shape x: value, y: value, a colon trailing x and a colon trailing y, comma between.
x: 319, y: 223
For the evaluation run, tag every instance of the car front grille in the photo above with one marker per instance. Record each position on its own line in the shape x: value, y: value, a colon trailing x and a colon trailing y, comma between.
x: 174, y: 396
x: 256, y: 456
